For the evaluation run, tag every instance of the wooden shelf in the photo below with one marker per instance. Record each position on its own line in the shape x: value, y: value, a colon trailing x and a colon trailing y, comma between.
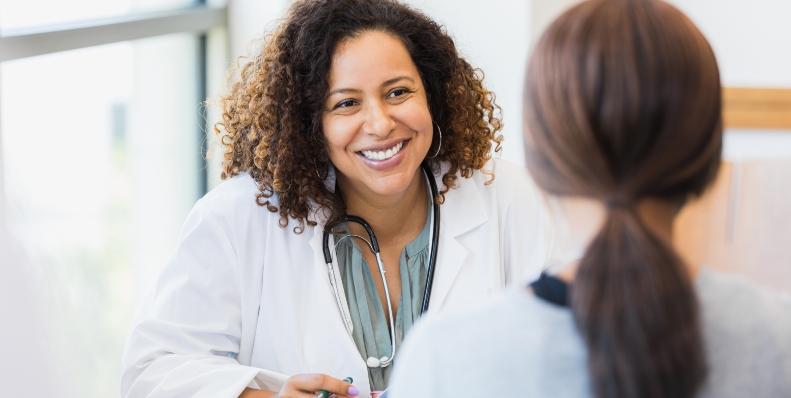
x: 763, y: 108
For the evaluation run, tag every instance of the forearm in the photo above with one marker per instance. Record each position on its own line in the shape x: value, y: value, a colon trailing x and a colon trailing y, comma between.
x: 252, y: 393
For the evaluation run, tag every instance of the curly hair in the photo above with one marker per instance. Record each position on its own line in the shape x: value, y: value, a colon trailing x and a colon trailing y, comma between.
x: 272, y: 113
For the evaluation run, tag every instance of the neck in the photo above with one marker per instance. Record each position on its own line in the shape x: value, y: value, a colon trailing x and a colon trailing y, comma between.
x: 393, y: 217
x: 585, y: 218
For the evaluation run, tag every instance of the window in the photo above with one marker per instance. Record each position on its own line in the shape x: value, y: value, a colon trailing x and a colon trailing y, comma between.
x: 16, y: 14
x: 102, y: 161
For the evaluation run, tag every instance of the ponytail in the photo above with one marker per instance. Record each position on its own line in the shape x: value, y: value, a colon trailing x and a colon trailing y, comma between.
x: 637, y: 312
x: 623, y: 98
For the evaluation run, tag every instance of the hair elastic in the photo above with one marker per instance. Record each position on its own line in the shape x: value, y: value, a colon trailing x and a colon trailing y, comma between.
x: 619, y: 202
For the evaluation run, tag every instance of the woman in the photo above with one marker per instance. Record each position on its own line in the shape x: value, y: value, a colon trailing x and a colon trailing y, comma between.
x: 623, y: 126
x: 339, y: 113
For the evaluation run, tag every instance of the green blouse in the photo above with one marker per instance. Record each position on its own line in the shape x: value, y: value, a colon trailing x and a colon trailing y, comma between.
x: 370, y: 320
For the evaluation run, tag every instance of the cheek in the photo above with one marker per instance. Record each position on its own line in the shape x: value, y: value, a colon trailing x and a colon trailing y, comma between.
x: 418, y: 118
x: 338, y: 133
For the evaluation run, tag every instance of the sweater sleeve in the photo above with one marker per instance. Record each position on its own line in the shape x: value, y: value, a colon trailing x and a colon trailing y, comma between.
x: 420, y: 377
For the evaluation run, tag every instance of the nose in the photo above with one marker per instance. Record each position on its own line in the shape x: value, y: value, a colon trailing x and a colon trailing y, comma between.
x: 378, y: 120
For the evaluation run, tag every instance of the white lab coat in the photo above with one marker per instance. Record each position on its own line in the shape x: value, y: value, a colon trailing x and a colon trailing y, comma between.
x: 242, y: 294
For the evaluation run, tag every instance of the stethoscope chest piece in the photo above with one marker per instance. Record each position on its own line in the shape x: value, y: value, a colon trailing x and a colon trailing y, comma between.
x: 375, y: 362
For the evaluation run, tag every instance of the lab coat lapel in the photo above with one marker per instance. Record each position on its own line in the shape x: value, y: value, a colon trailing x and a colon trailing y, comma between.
x: 317, y: 244
x: 462, y: 211
x: 349, y: 356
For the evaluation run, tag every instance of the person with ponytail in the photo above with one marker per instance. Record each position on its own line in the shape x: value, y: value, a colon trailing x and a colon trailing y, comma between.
x: 623, y: 126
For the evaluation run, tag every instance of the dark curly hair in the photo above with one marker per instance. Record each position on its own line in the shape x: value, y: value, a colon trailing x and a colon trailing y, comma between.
x: 272, y: 114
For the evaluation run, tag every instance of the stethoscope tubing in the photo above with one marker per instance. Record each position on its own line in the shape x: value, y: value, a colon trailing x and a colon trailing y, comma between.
x: 386, y: 361
x: 432, y: 260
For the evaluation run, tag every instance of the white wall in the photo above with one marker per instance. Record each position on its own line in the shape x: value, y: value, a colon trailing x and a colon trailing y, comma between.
x: 752, y: 39
x: 543, y: 12
x: 248, y: 19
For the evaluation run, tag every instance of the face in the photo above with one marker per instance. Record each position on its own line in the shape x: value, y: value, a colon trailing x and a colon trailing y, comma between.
x: 376, y: 118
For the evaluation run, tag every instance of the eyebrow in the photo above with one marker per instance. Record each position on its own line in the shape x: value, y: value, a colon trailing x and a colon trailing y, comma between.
x: 343, y: 91
x: 397, y: 79
x: 353, y: 90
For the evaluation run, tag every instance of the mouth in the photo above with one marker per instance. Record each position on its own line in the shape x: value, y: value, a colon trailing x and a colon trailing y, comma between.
x: 384, y: 154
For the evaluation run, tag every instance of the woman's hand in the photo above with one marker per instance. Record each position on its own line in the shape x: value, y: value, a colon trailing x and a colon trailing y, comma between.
x: 306, y: 386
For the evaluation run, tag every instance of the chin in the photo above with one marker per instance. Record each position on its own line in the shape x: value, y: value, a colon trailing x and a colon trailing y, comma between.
x: 392, y: 184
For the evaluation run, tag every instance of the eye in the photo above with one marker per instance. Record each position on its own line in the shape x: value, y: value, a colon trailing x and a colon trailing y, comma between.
x: 398, y: 93
x: 345, y: 104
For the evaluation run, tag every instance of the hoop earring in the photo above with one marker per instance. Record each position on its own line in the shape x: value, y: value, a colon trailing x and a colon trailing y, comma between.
x: 440, y: 142
x: 316, y: 167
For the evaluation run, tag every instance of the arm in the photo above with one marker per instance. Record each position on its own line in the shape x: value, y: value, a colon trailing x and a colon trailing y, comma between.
x: 187, y: 334
x: 252, y: 393
x: 188, y: 330
x: 306, y: 386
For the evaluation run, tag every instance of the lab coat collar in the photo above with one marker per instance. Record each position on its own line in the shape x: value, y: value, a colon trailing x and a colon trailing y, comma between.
x: 464, y: 208
x: 462, y: 211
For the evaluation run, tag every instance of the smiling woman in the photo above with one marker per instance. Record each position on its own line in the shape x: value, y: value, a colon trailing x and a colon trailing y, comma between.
x: 349, y: 108
x: 276, y: 111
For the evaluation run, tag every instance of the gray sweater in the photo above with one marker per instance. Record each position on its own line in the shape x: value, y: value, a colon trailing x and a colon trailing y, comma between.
x: 521, y: 345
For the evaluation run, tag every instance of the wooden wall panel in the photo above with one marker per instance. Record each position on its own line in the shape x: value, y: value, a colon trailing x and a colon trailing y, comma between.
x: 743, y: 228
x: 743, y: 223
x: 765, y: 108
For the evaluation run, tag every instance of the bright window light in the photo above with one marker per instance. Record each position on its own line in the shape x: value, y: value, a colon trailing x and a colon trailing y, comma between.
x: 102, y: 164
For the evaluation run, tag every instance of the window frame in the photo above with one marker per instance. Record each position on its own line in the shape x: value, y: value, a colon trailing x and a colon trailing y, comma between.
x: 46, y: 39
x: 40, y: 40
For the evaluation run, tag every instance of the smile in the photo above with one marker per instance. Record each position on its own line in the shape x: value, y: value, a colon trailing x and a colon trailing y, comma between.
x: 385, y: 154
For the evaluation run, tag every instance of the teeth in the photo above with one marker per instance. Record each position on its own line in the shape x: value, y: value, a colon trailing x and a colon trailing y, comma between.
x: 382, y: 155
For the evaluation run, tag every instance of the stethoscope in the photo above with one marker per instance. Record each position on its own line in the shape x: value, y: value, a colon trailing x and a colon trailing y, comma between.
x: 374, y: 246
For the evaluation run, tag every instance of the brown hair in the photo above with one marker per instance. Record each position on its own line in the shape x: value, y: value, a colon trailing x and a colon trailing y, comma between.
x: 272, y: 114
x: 622, y: 103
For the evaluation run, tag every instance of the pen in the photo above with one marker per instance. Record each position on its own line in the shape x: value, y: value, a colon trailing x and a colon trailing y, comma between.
x: 326, y: 394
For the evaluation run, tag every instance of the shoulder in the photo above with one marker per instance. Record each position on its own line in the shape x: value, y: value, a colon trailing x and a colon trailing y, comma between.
x: 236, y: 191
x: 503, y: 197
x: 513, y: 334
x: 504, y: 176
x: 499, y: 180
x: 515, y: 315
x: 748, y: 335
x: 502, y: 312
x: 512, y: 172
x: 732, y: 298
x: 234, y: 206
